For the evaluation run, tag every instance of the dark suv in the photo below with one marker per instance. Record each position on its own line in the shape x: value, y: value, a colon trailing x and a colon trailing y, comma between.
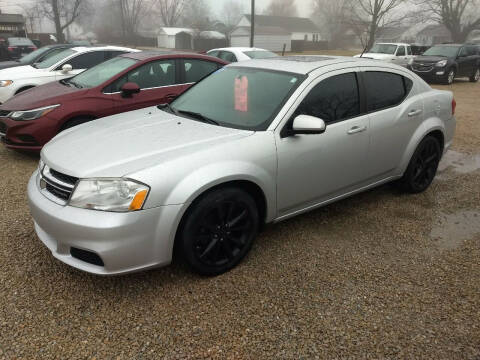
x: 443, y: 63
x: 17, y: 47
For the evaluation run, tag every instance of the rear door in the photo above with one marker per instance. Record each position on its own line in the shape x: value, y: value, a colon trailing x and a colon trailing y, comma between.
x: 464, y: 61
x: 80, y: 63
x: 194, y: 70
x: 395, y: 112
x: 158, y: 81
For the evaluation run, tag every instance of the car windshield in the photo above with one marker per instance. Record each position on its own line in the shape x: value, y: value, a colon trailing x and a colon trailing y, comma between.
x: 102, y: 72
x: 27, y: 59
x: 237, y: 97
x: 259, y: 54
x: 383, y: 49
x: 446, y: 51
x: 54, y: 59
x: 20, y: 42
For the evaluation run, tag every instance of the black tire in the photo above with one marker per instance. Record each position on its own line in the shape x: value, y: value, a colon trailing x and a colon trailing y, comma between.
x: 450, y: 76
x: 475, y: 76
x: 218, y: 230
x: 422, y: 167
x: 74, y: 122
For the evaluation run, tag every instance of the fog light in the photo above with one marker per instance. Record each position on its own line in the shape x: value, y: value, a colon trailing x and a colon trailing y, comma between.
x: 440, y: 72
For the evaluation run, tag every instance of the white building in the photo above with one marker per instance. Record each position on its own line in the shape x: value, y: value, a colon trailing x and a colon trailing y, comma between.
x: 272, y: 32
x: 175, y: 38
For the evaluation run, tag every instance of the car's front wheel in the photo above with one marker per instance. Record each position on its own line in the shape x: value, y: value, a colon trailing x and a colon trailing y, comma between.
x: 423, y: 166
x: 476, y: 76
x: 451, y: 73
x: 219, y: 230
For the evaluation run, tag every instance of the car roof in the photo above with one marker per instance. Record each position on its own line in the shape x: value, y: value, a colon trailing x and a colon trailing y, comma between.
x: 102, y: 48
x: 450, y: 45
x: 305, y: 64
x: 392, y: 43
x: 148, y: 55
x: 239, y: 49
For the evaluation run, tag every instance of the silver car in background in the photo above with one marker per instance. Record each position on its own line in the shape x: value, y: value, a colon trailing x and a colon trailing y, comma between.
x: 256, y: 142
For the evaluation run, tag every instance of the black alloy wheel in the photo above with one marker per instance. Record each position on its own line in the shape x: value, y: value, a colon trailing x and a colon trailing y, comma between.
x: 219, y: 230
x: 423, y: 166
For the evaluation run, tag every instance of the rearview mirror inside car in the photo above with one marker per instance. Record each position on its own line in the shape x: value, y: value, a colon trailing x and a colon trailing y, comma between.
x: 130, y: 88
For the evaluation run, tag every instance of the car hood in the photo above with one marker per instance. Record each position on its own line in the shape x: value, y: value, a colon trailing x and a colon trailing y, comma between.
x: 8, y: 64
x: 18, y: 72
x: 430, y: 59
x: 122, y: 144
x: 49, y: 94
x: 377, y: 56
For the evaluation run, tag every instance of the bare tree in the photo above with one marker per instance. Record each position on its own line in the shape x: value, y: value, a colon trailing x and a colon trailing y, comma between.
x: 231, y: 14
x: 196, y: 14
x: 170, y: 11
x: 62, y: 13
x: 282, y: 8
x: 131, y: 12
x: 332, y: 17
x: 32, y: 13
x: 460, y: 17
x: 368, y: 16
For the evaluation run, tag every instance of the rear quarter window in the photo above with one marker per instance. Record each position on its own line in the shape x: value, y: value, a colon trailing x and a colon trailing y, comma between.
x: 385, y: 89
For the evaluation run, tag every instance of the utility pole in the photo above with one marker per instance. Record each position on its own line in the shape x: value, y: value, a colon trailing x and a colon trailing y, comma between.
x: 252, y: 26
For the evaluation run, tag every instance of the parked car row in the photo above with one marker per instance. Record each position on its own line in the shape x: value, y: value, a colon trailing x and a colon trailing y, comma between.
x: 440, y: 63
x: 244, y: 144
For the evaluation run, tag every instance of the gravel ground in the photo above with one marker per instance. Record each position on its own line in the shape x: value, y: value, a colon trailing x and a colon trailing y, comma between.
x: 381, y: 275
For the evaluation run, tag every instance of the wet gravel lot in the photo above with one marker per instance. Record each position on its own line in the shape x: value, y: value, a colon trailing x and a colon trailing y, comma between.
x: 379, y: 275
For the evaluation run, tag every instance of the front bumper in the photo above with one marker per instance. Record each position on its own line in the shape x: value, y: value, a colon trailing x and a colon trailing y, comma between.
x: 27, y: 135
x: 126, y: 242
x: 434, y: 75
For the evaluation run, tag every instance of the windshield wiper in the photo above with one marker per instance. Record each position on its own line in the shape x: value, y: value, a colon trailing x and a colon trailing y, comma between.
x: 198, y: 116
x: 168, y: 107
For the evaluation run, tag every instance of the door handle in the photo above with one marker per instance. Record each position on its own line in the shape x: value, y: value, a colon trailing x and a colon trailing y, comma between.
x: 414, y: 113
x: 356, y: 130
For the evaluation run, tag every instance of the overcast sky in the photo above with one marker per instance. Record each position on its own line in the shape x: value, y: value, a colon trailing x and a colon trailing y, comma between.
x: 216, y: 5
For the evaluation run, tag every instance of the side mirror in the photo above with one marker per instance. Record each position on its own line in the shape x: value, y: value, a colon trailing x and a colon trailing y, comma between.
x: 306, y: 124
x: 66, y: 68
x: 130, y: 88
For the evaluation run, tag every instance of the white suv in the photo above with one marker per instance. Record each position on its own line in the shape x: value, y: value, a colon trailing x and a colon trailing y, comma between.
x: 396, y: 53
x: 65, y: 64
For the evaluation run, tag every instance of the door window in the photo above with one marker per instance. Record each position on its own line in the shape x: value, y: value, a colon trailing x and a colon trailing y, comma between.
x: 401, y: 51
x: 333, y: 99
x: 87, y: 60
x: 195, y: 70
x: 385, y: 89
x: 227, y: 56
x: 150, y: 75
x: 409, y: 50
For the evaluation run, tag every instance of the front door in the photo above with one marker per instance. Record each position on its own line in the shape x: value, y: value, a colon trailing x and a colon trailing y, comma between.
x: 315, y: 168
x: 158, y: 85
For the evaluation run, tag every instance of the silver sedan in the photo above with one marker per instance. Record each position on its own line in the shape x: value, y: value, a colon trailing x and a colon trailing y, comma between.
x: 256, y: 142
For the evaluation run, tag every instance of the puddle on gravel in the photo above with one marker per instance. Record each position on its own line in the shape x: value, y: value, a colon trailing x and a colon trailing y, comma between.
x: 459, y: 163
x: 451, y: 230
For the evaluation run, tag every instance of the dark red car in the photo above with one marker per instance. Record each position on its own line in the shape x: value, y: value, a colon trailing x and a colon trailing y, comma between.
x: 127, y: 82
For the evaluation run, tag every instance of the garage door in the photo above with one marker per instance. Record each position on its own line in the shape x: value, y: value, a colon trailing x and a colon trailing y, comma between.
x: 240, y: 41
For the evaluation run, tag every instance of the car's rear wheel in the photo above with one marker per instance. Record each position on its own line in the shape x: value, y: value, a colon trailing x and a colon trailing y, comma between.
x: 423, y: 166
x: 451, y: 73
x: 219, y: 230
x: 476, y: 76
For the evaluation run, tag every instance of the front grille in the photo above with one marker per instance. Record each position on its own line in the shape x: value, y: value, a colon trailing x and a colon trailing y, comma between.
x: 65, y: 178
x: 422, y: 67
x: 4, y: 113
x: 57, y: 184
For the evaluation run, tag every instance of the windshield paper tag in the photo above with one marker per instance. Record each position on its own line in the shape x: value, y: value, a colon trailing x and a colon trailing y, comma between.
x: 241, y: 94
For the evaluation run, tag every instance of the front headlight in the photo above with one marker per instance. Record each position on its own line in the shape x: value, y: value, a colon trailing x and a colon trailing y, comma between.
x: 441, y: 63
x: 41, y: 164
x: 115, y: 194
x: 32, y: 114
x: 4, y: 83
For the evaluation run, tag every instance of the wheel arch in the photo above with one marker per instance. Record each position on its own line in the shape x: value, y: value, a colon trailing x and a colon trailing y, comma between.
x: 24, y: 88
x: 64, y: 123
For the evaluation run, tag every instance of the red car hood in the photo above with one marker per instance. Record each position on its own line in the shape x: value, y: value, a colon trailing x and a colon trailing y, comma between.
x: 44, y: 95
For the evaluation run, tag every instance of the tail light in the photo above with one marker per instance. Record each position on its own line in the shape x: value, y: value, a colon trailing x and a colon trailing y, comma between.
x: 454, y: 106
x: 11, y: 48
x: 32, y: 47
